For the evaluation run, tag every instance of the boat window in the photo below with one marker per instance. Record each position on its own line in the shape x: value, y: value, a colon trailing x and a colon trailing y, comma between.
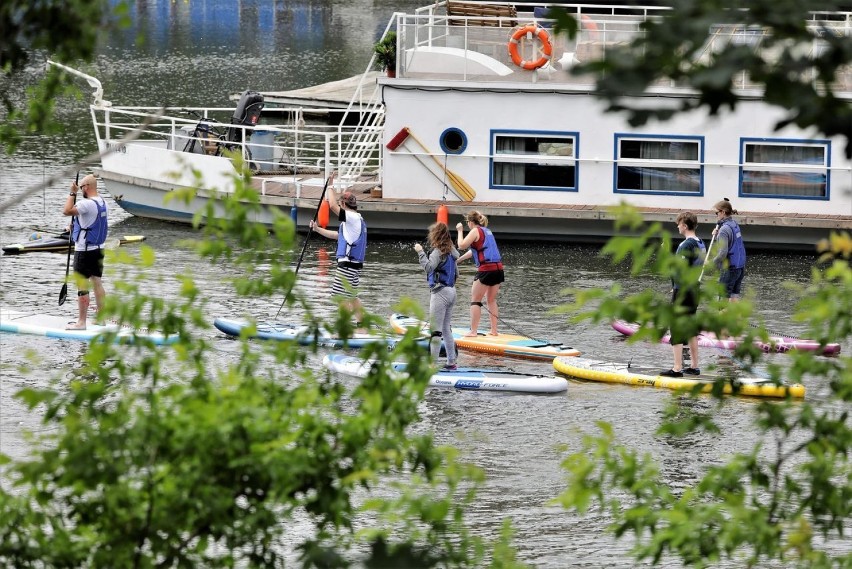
x: 784, y: 168
x: 453, y: 141
x: 534, y: 160
x: 659, y: 164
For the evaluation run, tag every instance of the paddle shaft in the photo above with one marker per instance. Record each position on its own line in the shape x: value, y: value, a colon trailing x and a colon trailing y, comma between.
x: 512, y: 328
x: 707, y: 256
x: 63, y: 292
x: 308, y: 236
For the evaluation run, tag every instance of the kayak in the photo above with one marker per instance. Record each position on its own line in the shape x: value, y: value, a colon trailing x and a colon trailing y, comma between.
x: 502, y: 344
x: 463, y: 378
x: 59, y: 244
x: 775, y: 344
x: 288, y: 332
x: 17, y: 322
x: 624, y: 373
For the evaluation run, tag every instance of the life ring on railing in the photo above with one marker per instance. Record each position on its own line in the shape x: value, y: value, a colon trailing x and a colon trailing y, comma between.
x: 529, y: 31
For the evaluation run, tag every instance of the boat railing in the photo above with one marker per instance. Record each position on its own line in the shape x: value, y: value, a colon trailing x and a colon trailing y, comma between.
x: 291, y: 147
x: 434, y: 44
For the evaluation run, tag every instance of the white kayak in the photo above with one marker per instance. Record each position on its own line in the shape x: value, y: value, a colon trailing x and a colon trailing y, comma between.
x: 476, y: 379
x: 17, y: 322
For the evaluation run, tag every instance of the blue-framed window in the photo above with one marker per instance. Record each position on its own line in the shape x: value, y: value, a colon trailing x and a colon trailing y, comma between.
x: 453, y: 141
x: 534, y: 160
x: 791, y: 169
x: 658, y: 164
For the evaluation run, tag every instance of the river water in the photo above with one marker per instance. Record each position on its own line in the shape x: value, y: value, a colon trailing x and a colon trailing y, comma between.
x: 199, y: 53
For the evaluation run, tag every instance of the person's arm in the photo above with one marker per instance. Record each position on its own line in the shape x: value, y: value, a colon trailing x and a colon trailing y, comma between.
x: 467, y: 255
x: 431, y: 262
x: 70, y: 201
x: 467, y: 241
x: 333, y: 205
x: 723, y: 240
x: 331, y: 234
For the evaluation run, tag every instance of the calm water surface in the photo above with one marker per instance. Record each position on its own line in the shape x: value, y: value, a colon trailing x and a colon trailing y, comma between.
x: 199, y: 53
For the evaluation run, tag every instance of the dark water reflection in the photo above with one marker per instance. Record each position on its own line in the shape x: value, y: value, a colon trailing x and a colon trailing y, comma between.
x: 515, y: 438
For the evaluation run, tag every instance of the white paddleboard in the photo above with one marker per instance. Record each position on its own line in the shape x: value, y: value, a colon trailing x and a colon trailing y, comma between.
x: 17, y: 322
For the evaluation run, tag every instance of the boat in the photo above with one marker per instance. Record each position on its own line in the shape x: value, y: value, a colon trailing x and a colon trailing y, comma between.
x: 462, y: 378
x: 304, y: 335
x: 777, y: 343
x: 509, y: 345
x: 474, y: 117
x: 51, y: 326
x: 59, y: 244
x: 624, y: 373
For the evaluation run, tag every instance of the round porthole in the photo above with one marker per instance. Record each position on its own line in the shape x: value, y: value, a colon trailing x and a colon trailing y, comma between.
x: 453, y: 141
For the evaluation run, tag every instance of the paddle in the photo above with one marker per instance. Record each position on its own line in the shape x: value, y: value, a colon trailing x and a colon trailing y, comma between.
x: 707, y: 256
x: 63, y: 292
x: 308, y: 236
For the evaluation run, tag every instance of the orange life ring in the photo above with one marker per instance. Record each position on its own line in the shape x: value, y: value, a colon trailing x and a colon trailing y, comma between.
x: 529, y: 31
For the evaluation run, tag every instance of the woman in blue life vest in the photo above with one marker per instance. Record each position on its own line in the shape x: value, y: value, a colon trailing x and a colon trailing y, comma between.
x: 685, y: 298
x: 489, y: 268
x: 89, y: 233
x: 441, y: 274
x: 351, y: 236
x: 730, y: 257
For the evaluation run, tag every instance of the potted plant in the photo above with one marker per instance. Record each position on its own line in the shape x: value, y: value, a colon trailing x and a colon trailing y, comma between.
x: 386, y: 53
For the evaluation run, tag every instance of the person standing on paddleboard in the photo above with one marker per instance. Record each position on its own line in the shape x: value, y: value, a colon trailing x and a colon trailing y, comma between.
x: 89, y: 232
x: 730, y: 258
x: 685, y: 298
x: 441, y: 274
x: 489, y: 268
x: 351, y: 238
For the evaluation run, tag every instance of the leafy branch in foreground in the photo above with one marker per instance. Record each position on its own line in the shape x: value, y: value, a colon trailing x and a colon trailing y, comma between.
x: 787, y: 499
x: 162, y: 456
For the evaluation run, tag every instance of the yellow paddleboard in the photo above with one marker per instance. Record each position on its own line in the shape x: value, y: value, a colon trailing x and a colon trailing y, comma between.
x: 610, y: 372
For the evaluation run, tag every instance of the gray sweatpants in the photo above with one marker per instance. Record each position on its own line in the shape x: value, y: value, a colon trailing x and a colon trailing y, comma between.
x: 441, y: 305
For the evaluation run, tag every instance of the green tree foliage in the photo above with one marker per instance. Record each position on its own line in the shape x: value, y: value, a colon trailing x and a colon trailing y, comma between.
x: 30, y: 31
x: 787, y: 70
x: 154, y: 457
x: 783, y: 500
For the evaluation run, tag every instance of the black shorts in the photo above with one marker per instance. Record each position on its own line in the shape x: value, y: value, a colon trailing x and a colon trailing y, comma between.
x: 490, y: 278
x: 89, y: 263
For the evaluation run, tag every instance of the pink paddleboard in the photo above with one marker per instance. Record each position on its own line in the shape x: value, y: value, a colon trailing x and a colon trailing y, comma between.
x: 775, y: 344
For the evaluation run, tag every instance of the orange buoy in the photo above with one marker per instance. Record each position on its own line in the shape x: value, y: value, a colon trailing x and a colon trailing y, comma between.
x: 322, y: 216
x: 530, y: 31
x: 443, y: 214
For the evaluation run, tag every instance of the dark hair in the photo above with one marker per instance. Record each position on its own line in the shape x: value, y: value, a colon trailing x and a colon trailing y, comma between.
x: 689, y: 219
x: 439, y: 237
x: 477, y: 218
x: 725, y: 207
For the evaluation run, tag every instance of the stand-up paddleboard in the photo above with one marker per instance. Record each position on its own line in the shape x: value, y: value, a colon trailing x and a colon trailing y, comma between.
x: 501, y: 345
x: 288, y: 332
x: 54, y: 327
x: 775, y: 344
x: 462, y: 378
x: 60, y: 244
x: 611, y: 372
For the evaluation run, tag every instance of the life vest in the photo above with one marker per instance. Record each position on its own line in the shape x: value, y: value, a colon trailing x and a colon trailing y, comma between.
x: 96, y: 233
x: 354, y: 251
x: 736, y: 250
x: 445, y: 273
x: 487, y: 257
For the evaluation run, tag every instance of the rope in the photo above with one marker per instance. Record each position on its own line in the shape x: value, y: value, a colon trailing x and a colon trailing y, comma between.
x: 515, y: 330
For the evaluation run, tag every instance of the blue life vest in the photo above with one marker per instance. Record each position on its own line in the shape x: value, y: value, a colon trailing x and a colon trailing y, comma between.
x: 736, y: 249
x: 444, y: 273
x: 489, y: 253
x: 96, y: 233
x: 355, y: 251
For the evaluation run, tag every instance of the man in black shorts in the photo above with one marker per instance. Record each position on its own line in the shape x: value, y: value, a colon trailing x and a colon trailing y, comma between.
x: 89, y: 232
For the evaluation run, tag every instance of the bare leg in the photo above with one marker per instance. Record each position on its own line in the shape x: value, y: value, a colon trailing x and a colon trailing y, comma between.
x: 82, y: 310
x: 100, y: 293
x: 477, y: 293
x: 677, y: 351
x: 693, y: 352
x: 492, y: 307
